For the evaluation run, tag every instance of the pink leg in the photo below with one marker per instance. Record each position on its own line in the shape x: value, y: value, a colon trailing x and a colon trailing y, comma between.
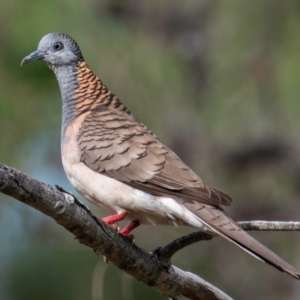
x: 127, y: 229
x: 114, y: 218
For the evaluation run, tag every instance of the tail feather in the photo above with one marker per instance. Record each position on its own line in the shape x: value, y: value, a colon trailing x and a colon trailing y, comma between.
x: 220, y: 223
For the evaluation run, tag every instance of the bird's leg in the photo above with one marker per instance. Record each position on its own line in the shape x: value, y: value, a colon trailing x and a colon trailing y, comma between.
x: 111, y: 219
x: 127, y: 229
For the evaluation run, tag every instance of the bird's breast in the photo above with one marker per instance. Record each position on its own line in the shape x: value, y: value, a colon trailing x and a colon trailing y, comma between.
x: 95, y: 187
x: 115, y: 195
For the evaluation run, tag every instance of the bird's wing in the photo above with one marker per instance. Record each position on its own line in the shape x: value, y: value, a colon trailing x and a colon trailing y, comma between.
x: 114, y: 143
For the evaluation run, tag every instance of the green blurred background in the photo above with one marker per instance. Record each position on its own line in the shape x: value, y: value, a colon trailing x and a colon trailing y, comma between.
x: 217, y: 81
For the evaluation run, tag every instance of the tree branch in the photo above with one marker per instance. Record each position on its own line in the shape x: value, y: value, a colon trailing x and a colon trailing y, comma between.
x: 154, y: 270
x: 70, y: 213
x: 270, y: 225
x: 165, y: 253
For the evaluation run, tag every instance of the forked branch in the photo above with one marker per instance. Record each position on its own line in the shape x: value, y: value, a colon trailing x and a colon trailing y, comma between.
x: 154, y: 270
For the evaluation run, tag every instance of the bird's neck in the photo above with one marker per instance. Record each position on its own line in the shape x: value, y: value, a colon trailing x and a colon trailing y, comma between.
x: 82, y: 91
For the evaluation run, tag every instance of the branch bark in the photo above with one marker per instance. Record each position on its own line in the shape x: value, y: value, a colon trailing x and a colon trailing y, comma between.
x: 153, y: 269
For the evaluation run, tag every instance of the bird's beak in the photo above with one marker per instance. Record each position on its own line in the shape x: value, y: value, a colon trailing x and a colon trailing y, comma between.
x: 36, y: 55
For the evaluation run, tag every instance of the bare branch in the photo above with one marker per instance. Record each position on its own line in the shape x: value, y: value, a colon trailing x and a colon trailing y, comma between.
x: 154, y: 270
x: 67, y: 211
x: 164, y: 254
x: 270, y: 225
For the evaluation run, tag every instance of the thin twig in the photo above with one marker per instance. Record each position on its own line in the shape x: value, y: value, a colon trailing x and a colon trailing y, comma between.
x: 270, y: 225
x: 164, y: 254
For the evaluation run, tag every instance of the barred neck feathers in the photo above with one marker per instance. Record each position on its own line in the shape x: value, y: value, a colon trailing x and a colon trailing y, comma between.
x: 83, y: 91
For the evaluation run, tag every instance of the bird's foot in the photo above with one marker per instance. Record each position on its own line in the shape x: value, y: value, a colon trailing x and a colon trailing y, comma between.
x: 115, y: 226
x: 130, y: 237
x: 127, y: 229
x: 112, y: 219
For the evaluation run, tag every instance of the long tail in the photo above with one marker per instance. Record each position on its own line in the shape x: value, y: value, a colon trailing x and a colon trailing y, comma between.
x: 219, y: 222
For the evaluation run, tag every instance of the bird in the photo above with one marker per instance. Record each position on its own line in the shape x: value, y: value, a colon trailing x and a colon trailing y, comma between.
x: 117, y: 163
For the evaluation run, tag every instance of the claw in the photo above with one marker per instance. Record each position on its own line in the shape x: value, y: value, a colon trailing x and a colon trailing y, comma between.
x: 115, y: 226
x: 130, y: 237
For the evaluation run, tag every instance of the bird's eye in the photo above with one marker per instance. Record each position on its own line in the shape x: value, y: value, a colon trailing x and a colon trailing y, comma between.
x: 57, y: 46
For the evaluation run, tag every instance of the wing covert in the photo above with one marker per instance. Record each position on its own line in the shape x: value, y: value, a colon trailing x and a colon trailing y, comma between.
x: 115, y: 144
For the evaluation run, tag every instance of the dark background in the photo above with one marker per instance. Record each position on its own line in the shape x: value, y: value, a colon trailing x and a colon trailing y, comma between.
x: 217, y: 81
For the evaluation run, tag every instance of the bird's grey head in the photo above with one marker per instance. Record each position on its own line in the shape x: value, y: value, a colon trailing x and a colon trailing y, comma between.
x: 56, y: 49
